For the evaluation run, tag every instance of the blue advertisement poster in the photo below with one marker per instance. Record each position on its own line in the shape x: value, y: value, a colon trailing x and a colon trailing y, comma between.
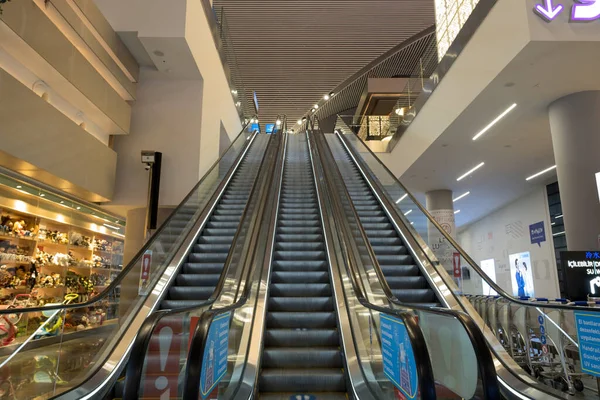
x: 399, y: 363
x: 214, y: 361
x: 588, y: 334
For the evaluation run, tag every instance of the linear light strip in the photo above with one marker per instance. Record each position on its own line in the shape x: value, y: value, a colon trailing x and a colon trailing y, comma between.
x: 469, y: 172
x: 461, y: 196
x: 541, y: 173
x: 559, y: 233
x: 408, y: 212
x: 457, y: 212
x: 494, y: 122
x: 402, y: 198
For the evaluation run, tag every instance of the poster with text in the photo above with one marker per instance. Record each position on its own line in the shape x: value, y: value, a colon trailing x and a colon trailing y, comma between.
x: 489, y: 267
x: 521, y: 274
x: 442, y: 250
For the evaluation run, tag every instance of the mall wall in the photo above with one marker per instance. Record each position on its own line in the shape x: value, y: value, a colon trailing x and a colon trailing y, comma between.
x: 505, y: 232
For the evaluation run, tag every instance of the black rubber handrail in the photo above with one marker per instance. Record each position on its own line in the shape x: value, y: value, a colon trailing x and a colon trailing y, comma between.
x: 486, y: 367
x: 417, y: 339
x: 135, y: 367
x: 102, y: 295
x: 501, y: 292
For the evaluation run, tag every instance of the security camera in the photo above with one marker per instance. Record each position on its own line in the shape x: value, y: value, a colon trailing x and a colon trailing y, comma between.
x: 147, y: 167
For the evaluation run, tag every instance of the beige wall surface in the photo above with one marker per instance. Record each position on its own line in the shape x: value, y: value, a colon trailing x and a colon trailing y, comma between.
x: 35, y: 132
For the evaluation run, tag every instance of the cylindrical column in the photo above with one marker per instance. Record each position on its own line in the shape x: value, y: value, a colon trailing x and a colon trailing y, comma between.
x: 441, y: 207
x: 575, y: 127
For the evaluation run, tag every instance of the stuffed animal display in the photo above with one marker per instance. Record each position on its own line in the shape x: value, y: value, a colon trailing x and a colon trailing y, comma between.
x: 16, y: 227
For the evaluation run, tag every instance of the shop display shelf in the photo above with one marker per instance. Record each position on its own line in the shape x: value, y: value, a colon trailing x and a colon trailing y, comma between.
x: 11, y: 237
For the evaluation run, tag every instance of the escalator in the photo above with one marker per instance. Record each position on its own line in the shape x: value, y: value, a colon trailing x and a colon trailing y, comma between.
x: 200, y: 273
x: 402, y: 273
x: 301, y: 351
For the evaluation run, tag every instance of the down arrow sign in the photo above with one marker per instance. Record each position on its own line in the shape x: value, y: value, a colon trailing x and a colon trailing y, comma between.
x: 548, y: 12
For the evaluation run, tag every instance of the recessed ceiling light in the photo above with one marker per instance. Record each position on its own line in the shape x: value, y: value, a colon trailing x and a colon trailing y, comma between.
x: 62, y: 202
x: 42, y: 195
x: 299, y: 122
x: 469, y: 172
x: 316, y: 106
x: 79, y: 208
x: 278, y: 122
x: 412, y: 223
x: 313, y: 110
x: 461, y: 196
x: 326, y: 97
x: 19, y: 186
x: 402, y: 198
x: 541, y: 173
x: 408, y: 212
x: 494, y: 122
x: 457, y: 211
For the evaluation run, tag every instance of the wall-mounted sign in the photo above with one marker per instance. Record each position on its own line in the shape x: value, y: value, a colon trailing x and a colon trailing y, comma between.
x: 537, y: 233
x: 581, y: 10
x: 143, y: 287
x: 581, y: 272
x: 588, y: 335
x: 521, y: 274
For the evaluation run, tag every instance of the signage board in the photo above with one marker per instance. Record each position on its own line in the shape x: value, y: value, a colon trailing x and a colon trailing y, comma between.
x: 145, y: 273
x: 581, y: 10
x: 269, y: 128
x: 214, y: 361
x: 399, y: 364
x: 588, y: 336
x: 521, y: 275
x: 581, y: 272
x: 537, y: 233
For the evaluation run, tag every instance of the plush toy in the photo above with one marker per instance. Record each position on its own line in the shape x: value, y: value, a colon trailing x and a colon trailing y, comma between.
x: 33, y: 276
x: 61, y: 259
x: 4, y: 224
x: 77, y: 239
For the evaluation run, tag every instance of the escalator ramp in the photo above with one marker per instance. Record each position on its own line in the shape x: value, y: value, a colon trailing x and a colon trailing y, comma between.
x: 199, y: 275
x: 400, y: 269
x: 301, y: 355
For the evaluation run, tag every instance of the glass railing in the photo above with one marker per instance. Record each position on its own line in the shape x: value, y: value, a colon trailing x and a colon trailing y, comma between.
x: 59, y: 345
x: 541, y: 334
x: 463, y: 370
x: 160, y: 364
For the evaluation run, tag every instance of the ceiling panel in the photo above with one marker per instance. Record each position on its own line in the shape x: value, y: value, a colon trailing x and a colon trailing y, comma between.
x: 292, y: 52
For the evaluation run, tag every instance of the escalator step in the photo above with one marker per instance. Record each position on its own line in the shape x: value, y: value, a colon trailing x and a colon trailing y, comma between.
x: 300, y: 304
x: 302, y: 338
x: 302, y: 380
x: 307, y: 320
x: 301, y: 358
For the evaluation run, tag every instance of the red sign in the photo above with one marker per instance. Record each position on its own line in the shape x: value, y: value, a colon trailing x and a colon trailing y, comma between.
x: 456, y: 265
x: 145, y: 272
x: 164, y: 354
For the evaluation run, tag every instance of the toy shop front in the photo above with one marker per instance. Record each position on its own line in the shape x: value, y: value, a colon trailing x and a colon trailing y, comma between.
x: 54, y: 249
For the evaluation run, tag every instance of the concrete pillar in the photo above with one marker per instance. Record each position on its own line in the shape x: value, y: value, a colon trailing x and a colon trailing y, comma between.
x: 440, y: 205
x: 575, y: 128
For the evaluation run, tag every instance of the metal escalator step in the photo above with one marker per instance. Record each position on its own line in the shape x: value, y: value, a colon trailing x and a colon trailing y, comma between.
x: 207, y: 257
x: 407, y: 282
x: 308, y: 230
x: 212, y: 248
x: 298, y: 238
x: 373, y: 220
x: 300, y: 304
x: 302, y: 380
x: 300, y: 276
x: 213, y: 239
x: 300, y: 223
x: 202, y: 268
x: 387, y: 259
x: 299, y: 246
x: 300, y: 289
x: 190, y: 292
x: 301, y: 320
x: 400, y: 270
x: 415, y: 296
x: 390, y: 250
x: 219, y: 232
x: 226, y: 218
x: 307, y: 266
x: 385, y: 241
x: 384, y: 232
x: 197, y: 279
x: 281, y: 357
x: 299, y: 255
x: 302, y: 338
x: 299, y: 217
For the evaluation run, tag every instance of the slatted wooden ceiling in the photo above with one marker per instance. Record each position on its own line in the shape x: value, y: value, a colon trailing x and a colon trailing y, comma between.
x: 291, y: 52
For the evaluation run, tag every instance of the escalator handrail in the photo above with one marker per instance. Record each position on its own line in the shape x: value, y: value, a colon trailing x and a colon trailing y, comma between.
x: 135, y: 367
x: 485, y: 363
x: 102, y: 295
x: 381, y: 192
x: 424, y: 367
x: 199, y: 338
